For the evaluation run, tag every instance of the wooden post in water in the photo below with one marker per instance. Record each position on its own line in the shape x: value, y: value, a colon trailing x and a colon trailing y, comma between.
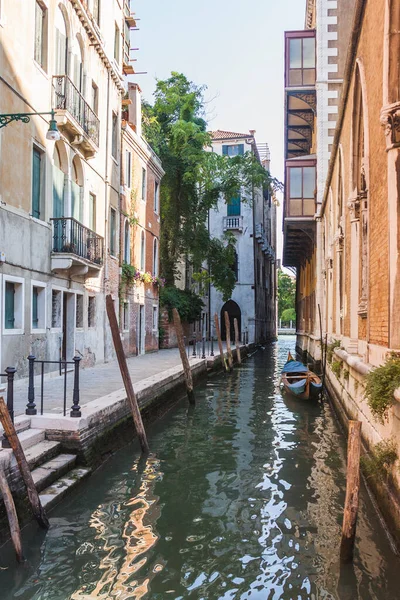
x: 182, y: 351
x: 228, y: 340
x: 12, y: 437
x: 237, y: 340
x: 137, y: 417
x: 221, y: 349
x: 352, y: 492
x: 11, y: 516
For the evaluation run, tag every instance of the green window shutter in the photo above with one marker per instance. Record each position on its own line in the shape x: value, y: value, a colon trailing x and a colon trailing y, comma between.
x: 225, y: 150
x: 9, y: 305
x: 36, y: 168
x: 241, y: 149
x: 234, y: 207
x: 35, y: 319
x: 112, y: 232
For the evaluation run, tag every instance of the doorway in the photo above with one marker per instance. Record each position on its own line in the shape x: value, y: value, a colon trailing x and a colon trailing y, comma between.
x: 68, y: 326
x: 141, y: 330
x: 234, y: 312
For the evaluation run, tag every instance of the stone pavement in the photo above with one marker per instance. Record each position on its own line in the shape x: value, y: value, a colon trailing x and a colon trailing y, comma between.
x: 97, y: 381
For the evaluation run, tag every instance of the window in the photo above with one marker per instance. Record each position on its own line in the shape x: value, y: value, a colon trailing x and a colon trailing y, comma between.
x: 128, y: 168
x: 61, y: 44
x: 113, y: 232
x: 79, y: 311
x: 156, y: 193
x: 127, y: 243
x: 38, y: 307
x: 114, y: 146
x: 125, y: 316
x: 40, y: 34
x: 56, y: 297
x: 144, y: 185
x: 235, y: 266
x: 117, y: 41
x: 301, y: 62
x: 92, y: 211
x: 233, y: 207
x: 233, y: 150
x: 142, y: 252
x: 77, y: 189
x: 155, y: 257
x: 36, y: 182
x: 301, y: 191
x: 155, y: 318
x: 96, y: 11
x: 13, y: 292
x: 91, y: 311
x: 95, y: 98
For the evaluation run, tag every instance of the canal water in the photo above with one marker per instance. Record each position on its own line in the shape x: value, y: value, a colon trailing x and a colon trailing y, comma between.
x: 240, y: 498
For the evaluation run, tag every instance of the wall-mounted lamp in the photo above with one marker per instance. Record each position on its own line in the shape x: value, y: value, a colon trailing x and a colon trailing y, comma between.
x: 52, y: 133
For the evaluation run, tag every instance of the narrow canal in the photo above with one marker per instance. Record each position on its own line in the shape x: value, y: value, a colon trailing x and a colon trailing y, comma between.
x: 241, y: 497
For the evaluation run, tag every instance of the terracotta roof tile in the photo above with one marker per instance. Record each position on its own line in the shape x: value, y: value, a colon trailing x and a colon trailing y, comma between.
x: 228, y: 135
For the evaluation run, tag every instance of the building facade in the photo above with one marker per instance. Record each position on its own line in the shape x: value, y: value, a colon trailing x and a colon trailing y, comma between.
x: 252, y: 220
x: 354, y: 266
x: 60, y: 200
x: 140, y: 232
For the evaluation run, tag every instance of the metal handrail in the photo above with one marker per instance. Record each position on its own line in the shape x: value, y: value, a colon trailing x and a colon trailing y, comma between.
x: 71, y: 237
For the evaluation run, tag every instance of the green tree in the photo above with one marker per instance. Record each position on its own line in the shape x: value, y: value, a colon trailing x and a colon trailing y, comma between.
x: 195, y: 177
x: 286, y: 294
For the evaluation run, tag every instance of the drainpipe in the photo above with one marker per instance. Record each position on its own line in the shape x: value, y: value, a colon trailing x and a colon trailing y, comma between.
x: 106, y: 215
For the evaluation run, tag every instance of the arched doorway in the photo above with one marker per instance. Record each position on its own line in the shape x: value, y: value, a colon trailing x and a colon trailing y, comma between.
x: 234, y: 312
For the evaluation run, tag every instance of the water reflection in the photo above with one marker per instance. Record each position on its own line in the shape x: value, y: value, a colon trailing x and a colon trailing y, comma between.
x: 241, y: 498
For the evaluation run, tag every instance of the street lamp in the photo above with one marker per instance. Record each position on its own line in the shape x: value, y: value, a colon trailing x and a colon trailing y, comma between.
x: 52, y: 133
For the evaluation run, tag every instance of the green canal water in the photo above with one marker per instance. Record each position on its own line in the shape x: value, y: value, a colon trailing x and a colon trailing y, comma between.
x: 240, y: 498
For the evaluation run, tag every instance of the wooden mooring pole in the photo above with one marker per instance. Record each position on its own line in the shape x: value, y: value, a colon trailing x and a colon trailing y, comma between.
x: 228, y: 340
x: 137, y: 417
x: 237, y: 340
x: 11, y: 516
x: 182, y: 351
x: 12, y: 437
x: 352, y: 492
x: 221, y: 349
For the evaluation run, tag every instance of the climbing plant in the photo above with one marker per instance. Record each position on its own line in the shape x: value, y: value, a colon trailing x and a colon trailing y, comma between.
x: 381, y: 384
x: 379, y: 461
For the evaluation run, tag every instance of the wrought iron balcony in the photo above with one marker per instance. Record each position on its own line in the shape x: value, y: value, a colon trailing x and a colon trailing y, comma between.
x: 68, y: 102
x: 75, y: 245
x: 233, y: 223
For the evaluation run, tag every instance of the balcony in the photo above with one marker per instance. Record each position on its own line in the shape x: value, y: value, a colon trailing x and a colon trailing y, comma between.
x: 74, y: 115
x: 261, y: 238
x: 299, y: 210
x: 76, y: 248
x: 233, y: 223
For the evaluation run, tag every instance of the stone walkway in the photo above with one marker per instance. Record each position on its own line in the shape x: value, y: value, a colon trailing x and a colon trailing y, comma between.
x: 97, y: 381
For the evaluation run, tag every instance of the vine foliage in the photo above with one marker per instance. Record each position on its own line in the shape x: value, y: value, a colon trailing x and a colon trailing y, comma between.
x: 381, y: 384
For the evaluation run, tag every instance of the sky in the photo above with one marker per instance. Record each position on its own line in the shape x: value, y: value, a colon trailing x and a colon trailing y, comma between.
x: 234, y: 47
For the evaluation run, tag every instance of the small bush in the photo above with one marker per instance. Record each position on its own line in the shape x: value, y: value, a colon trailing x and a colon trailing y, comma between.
x: 380, y: 460
x: 330, y: 349
x: 380, y: 386
x: 288, y: 315
x: 188, y: 304
x: 336, y: 367
x: 346, y: 374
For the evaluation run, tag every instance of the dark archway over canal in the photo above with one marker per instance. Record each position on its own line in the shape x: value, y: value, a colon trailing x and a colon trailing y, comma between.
x: 241, y: 498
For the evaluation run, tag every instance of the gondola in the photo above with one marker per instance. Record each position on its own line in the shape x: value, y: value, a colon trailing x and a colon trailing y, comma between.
x: 298, y: 380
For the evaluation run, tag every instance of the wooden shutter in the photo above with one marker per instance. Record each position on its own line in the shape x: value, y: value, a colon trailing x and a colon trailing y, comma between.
x: 225, y: 150
x: 234, y: 207
x: 9, y: 305
x: 241, y: 149
x: 39, y: 34
x: 36, y: 169
x: 58, y: 193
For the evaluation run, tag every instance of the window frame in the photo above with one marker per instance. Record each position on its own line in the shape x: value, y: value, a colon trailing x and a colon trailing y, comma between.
x: 128, y: 169
x: 114, y: 136
x: 113, y: 233
x: 19, y: 281
x: 299, y: 35
x: 155, y: 256
x: 143, y: 250
x: 125, y: 315
x: 36, y: 149
x: 91, y: 318
x: 144, y: 184
x: 227, y: 147
x: 42, y: 62
x: 155, y: 312
x: 303, y: 164
x: 156, y: 196
x: 117, y: 44
x: 60, y: 291
x: 79, y: 327
x: 127, y: 246
x: 42, y: 306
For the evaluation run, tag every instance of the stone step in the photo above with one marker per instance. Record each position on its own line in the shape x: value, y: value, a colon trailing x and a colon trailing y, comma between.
x: 31, y: 437
x: 53, y: 494
x: 53, y: 469
x: 21, y: 423
x: 40, y: 453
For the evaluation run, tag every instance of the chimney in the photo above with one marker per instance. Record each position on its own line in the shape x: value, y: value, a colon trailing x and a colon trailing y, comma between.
x: 252, y: 132
x: 135, y: 109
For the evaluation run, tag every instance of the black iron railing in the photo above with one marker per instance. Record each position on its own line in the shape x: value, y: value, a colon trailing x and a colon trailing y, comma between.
x: 9, y: 374
x: 67, y: 97
x: 70, y: 236
x: 31, y: 406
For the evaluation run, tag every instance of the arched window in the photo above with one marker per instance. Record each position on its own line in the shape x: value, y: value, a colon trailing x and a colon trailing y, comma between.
x: 142, y: 251
x: 127, y: 243
x: 60, y: 167
x: 77, y: 189
x: 60, y: 67
x: 155, y: 257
